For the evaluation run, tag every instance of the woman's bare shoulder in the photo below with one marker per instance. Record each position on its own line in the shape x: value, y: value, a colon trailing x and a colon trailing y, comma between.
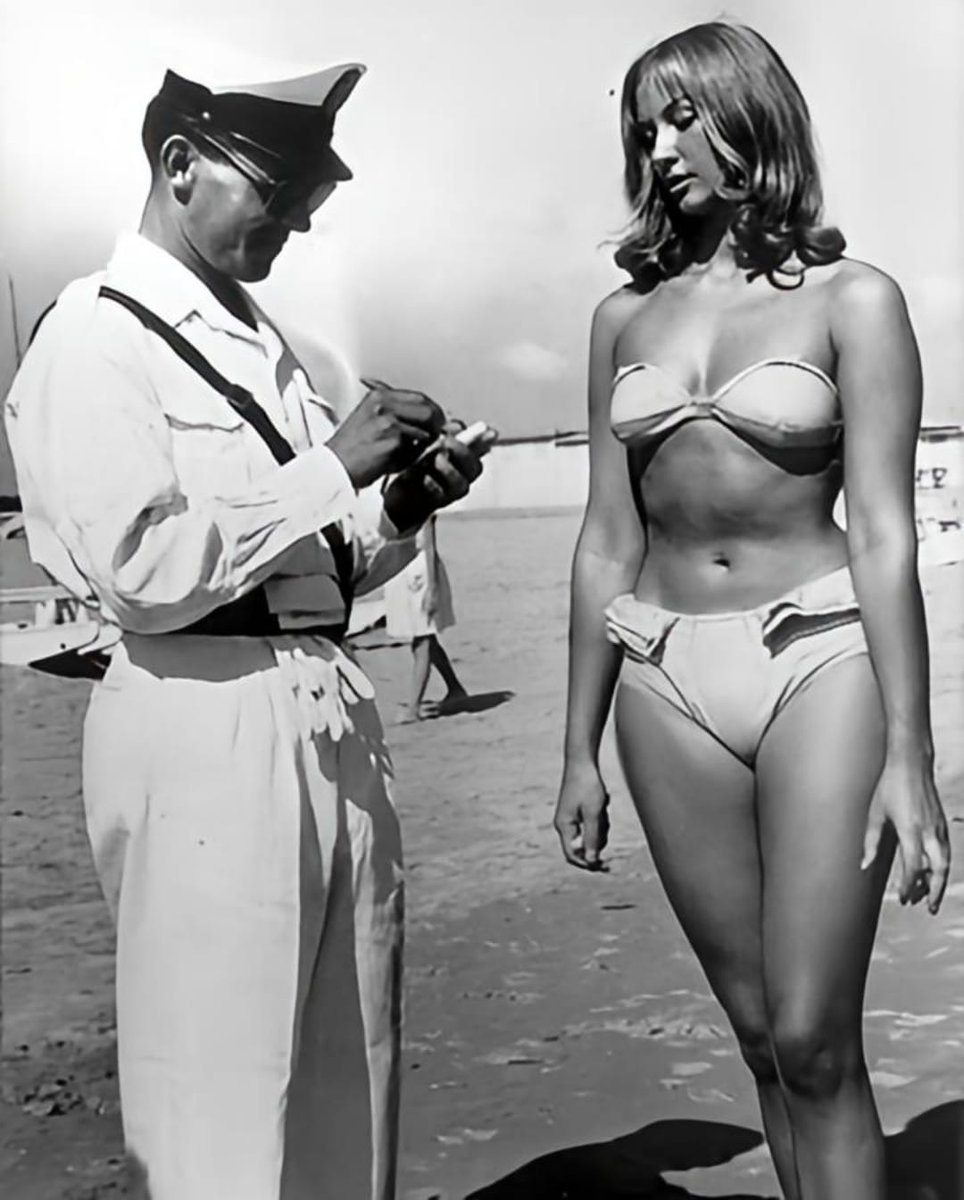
x: 866, y: 305
x: 861, y: 294
x: 614, y: 312
x: 853, y: 294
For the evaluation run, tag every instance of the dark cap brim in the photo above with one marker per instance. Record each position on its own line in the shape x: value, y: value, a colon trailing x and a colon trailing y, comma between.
x: 332, y: 166
x: 291, y: 120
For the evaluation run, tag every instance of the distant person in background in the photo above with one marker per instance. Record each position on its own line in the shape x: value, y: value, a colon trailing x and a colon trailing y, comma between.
x: 772, y: 708
x: 418, y: 607
x: 180, y: 475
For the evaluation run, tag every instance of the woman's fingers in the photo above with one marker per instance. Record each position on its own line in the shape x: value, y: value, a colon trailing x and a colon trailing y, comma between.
x: 570, y: 838
x: 582, y: 817
x: 911, y: 865
x: 925, y: 865
x: 595, y: 831
x: 583, y: 839
x: 938, y: 857
x: 924, y: 860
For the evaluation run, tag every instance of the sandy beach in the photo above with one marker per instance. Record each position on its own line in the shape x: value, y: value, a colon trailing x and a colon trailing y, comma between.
x: 560, y: 1039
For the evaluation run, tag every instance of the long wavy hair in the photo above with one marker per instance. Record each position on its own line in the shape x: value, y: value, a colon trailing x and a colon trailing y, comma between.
x: 757, y: 123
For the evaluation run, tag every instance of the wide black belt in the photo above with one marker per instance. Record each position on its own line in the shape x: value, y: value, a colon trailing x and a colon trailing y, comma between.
x: 248, y: 615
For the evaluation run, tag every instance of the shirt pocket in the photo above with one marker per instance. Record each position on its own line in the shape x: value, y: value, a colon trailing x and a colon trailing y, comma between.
x: 209, y: 444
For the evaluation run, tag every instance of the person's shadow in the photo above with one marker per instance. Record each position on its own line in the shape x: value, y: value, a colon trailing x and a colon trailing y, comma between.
x: 925, y: 1161
x: 627, y: 1167
x: 474, y: 702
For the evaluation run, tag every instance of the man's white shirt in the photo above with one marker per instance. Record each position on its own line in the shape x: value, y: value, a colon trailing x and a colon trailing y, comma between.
x: 146, y: 494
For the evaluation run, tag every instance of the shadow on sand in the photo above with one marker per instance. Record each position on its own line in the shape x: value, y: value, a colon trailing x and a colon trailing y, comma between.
x: 627, y: 1166
x: 475, y: 703
x: 925, y: 1161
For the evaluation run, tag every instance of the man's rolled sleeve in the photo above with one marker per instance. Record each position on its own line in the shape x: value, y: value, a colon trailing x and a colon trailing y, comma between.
x: 95, y: 466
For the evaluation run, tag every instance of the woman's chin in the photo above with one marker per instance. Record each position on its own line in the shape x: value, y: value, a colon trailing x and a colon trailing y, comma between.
x: 699, y: 202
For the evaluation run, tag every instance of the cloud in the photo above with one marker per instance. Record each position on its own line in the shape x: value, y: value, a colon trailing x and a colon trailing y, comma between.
x: 532, y: 362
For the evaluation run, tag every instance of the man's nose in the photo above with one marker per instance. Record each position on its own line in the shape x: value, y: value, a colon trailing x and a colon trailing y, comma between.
x: 297, y: 218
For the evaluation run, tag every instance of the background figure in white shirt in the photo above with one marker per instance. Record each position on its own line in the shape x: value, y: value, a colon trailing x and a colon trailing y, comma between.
x: 418, y: 606
x: 236, y: 780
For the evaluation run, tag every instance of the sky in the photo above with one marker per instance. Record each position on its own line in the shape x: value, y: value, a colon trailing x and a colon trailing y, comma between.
x: 468, y: 253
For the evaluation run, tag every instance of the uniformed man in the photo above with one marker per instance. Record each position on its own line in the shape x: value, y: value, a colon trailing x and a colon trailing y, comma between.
x: 179, y: 473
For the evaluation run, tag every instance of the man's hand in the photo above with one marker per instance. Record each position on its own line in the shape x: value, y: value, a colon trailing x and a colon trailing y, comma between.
x: 386, y: 432
x: 439, y: 478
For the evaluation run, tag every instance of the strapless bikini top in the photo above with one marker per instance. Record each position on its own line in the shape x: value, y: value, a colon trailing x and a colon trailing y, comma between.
x: 781, y: 402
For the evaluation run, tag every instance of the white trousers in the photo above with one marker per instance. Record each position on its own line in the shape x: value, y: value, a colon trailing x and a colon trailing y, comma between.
x: 238, y: 805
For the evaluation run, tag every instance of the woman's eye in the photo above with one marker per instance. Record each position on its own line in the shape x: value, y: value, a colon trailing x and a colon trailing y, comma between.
x: 684, y: 120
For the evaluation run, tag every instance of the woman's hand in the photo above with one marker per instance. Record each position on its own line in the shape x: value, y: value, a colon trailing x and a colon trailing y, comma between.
x: 582, y: 817
x: 906, y: 796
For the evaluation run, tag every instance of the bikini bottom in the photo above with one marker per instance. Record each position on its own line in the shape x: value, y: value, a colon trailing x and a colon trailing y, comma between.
x: 733, y: 673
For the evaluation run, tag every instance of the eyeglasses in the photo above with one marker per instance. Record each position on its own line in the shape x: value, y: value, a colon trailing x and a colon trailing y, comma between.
x: 279, y: 196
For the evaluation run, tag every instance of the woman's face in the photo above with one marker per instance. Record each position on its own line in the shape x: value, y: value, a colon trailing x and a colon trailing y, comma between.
x: 688, y: 171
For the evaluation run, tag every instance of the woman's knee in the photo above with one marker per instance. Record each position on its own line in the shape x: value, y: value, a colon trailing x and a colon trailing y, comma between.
x: 756, y: 1047
x: 816, y: 1057
x: 746, y: 1008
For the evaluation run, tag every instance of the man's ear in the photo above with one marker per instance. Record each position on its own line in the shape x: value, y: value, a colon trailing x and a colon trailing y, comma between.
x: 179, y: 163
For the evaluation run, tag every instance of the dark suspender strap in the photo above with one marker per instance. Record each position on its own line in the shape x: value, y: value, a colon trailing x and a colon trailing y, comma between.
x: 39, y: 321
x: 255, y: 611
x: 241, y: 400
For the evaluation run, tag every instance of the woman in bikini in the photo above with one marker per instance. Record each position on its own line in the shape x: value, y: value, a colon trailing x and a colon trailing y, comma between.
x: 770, y: 671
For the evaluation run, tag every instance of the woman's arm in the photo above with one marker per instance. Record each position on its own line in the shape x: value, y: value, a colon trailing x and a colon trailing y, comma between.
x: 607, y: 561
x: 880, y: 386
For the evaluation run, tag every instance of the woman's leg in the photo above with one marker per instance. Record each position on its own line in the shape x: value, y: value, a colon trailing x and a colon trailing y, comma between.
x: 441, y: 662
x: 421, y: 664
x: 695, y: 800
x: 816, y: 772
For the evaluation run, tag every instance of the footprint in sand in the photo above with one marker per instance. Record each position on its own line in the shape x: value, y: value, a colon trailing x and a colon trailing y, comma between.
x: 466, y: 1135
x: 691, y: 1068
x: 709, y: 1095
x: 887, y: 1080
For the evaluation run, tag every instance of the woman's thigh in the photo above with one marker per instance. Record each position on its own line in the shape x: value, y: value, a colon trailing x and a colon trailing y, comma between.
x: 695, y: 801
x: 816, y: 772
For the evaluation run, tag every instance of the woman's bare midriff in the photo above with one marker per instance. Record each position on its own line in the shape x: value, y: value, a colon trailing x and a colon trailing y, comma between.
x: 728, y: 529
